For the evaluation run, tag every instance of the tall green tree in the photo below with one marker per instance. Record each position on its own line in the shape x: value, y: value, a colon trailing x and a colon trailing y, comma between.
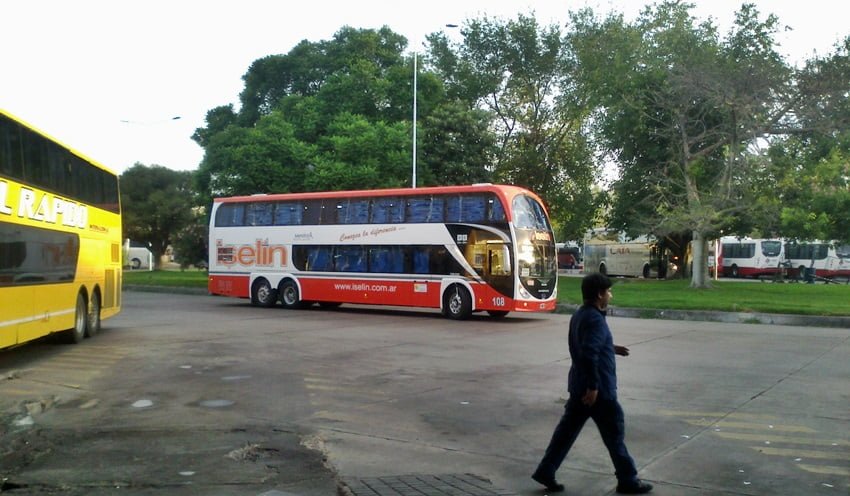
x: 680, y: 105
x: 521, y: 73
x: 156, y: 204
x: 337, y: 114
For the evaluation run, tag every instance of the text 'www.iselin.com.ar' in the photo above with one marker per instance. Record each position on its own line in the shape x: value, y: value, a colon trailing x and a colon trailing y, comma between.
x: 364, y: 286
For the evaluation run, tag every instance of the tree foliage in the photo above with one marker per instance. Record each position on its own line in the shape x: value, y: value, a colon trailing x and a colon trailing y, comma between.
x: 521, y: 73
x: 336, y: 114
x: 682, y: 107
x: 156, y: 203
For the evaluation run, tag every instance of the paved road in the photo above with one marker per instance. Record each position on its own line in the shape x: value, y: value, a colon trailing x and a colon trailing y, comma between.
x: 187, y: 394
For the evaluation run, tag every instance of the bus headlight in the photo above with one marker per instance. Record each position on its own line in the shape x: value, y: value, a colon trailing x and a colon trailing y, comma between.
x: 524, y: 294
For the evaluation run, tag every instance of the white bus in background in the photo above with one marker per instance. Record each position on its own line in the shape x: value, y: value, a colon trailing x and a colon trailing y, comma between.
x: 827, y: 259
x: 750, y: 257
x: 612, y: 253
x: 137, y: 255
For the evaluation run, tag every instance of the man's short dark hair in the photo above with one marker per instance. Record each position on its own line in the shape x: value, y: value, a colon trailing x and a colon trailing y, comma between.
x: 592, y: 285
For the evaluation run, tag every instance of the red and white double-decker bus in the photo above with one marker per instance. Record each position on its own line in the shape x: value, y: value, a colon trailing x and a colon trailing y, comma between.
x: 461, y: 249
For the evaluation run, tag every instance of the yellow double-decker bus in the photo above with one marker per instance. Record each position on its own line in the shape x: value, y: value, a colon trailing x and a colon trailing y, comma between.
x: 60, y: 238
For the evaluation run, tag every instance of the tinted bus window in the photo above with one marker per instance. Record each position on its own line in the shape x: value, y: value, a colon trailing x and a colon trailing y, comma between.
x: 387, y: 210
x: 288, y: 214
x: 259, y: 214
x: 230, y: 214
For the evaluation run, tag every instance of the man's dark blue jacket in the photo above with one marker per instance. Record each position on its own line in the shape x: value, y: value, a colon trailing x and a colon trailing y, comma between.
x: 592, y: 353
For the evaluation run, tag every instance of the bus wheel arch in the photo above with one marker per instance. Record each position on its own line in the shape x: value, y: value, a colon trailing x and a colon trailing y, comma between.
x: 457, y: 302
x: 262, y: 293
x: 93, y: 320
x: 289, y: 293
x: 135, y: 264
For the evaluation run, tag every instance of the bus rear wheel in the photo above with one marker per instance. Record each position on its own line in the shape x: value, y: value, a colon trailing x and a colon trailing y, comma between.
x: 93, y: 316
x: 457, y: 303
x: 289, y: 295
x: 262, y: 293
x: 735, y: 272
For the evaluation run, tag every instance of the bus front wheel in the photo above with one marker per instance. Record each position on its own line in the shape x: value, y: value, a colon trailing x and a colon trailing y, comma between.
x: 262, y: 294
x: 646, y: 273
x: 78, y: 332
x: 457, y: 303
x: 289, y: 295
x: 93, y: 315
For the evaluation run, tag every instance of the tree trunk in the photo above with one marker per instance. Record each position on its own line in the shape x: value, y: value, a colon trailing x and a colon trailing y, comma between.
x: 700, y: 263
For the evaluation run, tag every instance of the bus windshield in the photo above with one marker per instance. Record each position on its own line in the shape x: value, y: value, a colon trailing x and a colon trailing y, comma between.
x: 771, y: 248
x: 529, y: 214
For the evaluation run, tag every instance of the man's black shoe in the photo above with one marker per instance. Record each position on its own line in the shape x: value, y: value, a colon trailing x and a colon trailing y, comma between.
x: 638, y: 487
x: 551, y: 484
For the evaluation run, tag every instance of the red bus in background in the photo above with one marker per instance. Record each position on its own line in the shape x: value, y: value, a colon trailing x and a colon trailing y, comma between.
x: 461, y: 249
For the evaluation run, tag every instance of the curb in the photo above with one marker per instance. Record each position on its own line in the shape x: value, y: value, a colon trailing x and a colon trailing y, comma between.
x: 632, y: 313
x: 724, y: 317
x: 166, y: 289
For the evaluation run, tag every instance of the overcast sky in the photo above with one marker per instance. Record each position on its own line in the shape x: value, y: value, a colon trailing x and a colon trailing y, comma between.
x: 107, y: 77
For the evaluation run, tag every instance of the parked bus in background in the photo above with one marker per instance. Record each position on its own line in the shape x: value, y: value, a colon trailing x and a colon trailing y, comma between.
x: 461, y: 249
x: 612, y: 253
x: 60, y: 238
x: 827, y: 260
x: 137, y: 255
x: 748, y: 257
x: 569, y: 256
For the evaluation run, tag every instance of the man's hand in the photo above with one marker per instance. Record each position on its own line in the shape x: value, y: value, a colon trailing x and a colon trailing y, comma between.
x: 589, y: 397
x: 621, y: 350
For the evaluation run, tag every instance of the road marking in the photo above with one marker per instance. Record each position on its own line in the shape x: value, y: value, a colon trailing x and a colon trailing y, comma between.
x: 825, y: 469
x: 780, y: 439
x: 802, y: 453
x: 718, y: 415
x: 750, y: 425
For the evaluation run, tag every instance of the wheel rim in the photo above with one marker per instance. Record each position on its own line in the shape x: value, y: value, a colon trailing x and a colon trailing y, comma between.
x: 455, y: 303
x: 290, y: 294
x: 93, y: 317
x: 80, y: 318
x: 264, y: 293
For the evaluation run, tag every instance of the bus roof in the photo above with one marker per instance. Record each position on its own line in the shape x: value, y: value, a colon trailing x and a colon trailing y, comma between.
x: 507, y: 191
x: 58, y: 142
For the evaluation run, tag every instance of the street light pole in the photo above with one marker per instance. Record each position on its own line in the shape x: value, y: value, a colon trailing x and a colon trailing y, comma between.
x: 415, y: 77
x: 415, y: 71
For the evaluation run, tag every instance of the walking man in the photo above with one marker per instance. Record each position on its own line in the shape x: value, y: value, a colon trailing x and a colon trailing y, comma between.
x: 592, y: 386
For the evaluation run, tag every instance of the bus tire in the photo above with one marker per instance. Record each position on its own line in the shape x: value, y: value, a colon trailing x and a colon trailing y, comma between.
x: 497, y: 314
x: 646, y: 271
x: 735, y: 272
x: 93, y: 315
x: 457, y: 303
x: 135, y: 264
x: 801, y: 272
x: 289, y: 295
x: 262, y: 293
x: 78, y: 332
x: 603, y: 270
